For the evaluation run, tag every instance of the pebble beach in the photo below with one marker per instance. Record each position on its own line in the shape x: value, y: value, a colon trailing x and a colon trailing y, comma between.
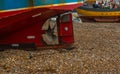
x: 96, y: 51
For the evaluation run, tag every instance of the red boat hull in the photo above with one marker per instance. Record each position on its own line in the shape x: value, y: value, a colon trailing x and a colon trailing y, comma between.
x: 25, y: 26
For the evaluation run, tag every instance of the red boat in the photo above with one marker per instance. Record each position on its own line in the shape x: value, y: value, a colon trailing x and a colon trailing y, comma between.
x: 27, y: 23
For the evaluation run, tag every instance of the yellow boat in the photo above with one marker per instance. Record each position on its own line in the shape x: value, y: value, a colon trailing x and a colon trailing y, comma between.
x: 98, y: 14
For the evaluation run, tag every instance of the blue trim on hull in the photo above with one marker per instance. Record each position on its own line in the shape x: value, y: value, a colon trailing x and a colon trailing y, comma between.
x: 14, y: 4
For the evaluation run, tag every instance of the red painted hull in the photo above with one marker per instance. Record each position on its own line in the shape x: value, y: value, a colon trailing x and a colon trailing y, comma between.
x: 15, y: 26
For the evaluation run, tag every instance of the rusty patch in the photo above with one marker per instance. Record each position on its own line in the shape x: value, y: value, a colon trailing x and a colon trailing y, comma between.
x: 31, y: 3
